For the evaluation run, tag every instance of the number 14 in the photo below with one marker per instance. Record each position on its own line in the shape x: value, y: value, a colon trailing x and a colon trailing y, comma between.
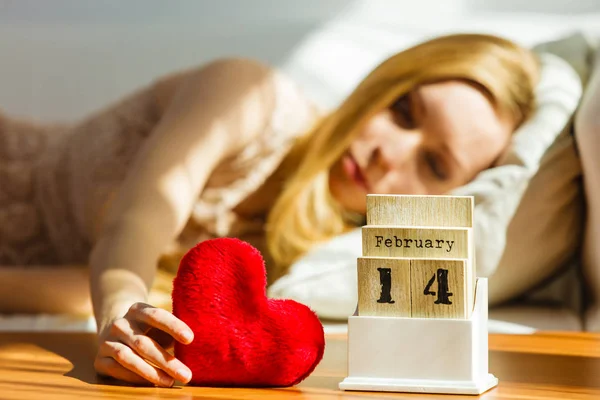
x: 443, y: 294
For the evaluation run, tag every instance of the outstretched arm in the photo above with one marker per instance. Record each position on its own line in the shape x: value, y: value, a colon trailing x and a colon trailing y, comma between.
x: 215, y: 112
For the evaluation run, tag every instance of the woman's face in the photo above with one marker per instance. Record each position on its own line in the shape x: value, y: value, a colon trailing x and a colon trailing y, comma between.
x: 430, y: 141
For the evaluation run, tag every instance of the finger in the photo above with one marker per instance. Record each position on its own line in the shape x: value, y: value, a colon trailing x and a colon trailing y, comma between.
x: 107, y: 366
x: 151, y: 351
x: 134, y: 363
x: 122, y: 329
x: 163, y: 320
x: 162, y: 338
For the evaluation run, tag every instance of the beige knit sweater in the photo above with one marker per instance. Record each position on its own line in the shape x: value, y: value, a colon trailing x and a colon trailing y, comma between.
x: 55, y: 181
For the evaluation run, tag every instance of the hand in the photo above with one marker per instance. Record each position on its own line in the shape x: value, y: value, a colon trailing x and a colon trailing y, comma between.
x: 134, y: 348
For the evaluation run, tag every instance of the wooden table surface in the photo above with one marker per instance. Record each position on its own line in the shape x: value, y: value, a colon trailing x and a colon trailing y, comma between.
x: 533, y: 367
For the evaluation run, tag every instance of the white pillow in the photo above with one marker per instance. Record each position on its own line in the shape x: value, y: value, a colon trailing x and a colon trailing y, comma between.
x: 587, y: 124
x: 529, y: 211
x: 541, y: 158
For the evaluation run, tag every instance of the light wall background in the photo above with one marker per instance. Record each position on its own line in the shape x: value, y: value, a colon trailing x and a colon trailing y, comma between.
x: 62, y: 59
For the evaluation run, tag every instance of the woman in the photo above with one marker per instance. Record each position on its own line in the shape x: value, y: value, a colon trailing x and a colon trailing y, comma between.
x: 234, y: 149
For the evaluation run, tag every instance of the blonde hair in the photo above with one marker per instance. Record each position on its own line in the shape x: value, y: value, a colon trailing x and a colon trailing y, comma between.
x: 305, y: 213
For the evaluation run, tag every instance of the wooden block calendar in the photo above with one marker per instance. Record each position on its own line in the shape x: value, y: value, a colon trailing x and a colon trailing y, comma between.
x: 437, y: 211
x: 434, y: 234
x: 389, y: 295
x: 439, y: 289
x: 417, y: 242
x: 421, y: 320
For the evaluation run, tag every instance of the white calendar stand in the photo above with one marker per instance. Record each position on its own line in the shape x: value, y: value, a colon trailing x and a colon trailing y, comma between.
x: 419, y: 355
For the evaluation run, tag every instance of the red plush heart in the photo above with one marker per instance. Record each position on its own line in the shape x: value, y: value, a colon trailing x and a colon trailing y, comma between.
x: 241, y: 337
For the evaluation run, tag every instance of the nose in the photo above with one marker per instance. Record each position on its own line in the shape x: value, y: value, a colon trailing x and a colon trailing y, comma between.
x: 394, y: 161
x: 399, y: 152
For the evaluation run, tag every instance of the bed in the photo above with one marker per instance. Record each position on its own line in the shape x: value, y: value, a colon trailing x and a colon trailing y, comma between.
x: 62, y: 60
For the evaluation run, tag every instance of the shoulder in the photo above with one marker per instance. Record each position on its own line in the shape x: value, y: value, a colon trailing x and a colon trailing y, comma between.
x: 223, y: 68
x: 247, y: 101
x: 274, y: 86
x: 213, y: 73
x: 231, y: 76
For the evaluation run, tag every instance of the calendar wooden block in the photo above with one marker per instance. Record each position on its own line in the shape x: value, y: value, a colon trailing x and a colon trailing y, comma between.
x: 440, y: 344
x: 440, y: 289
x: 405, y: 210
x: 384, y: 287
x: 389, y: 241
x: 421, y: 355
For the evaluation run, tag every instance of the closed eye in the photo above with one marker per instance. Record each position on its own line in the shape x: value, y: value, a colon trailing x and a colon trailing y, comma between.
x: 403, y: 112
x: 436, y: 166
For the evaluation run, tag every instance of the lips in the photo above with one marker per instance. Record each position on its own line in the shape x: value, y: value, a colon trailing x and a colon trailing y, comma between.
x: 353, y: 171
